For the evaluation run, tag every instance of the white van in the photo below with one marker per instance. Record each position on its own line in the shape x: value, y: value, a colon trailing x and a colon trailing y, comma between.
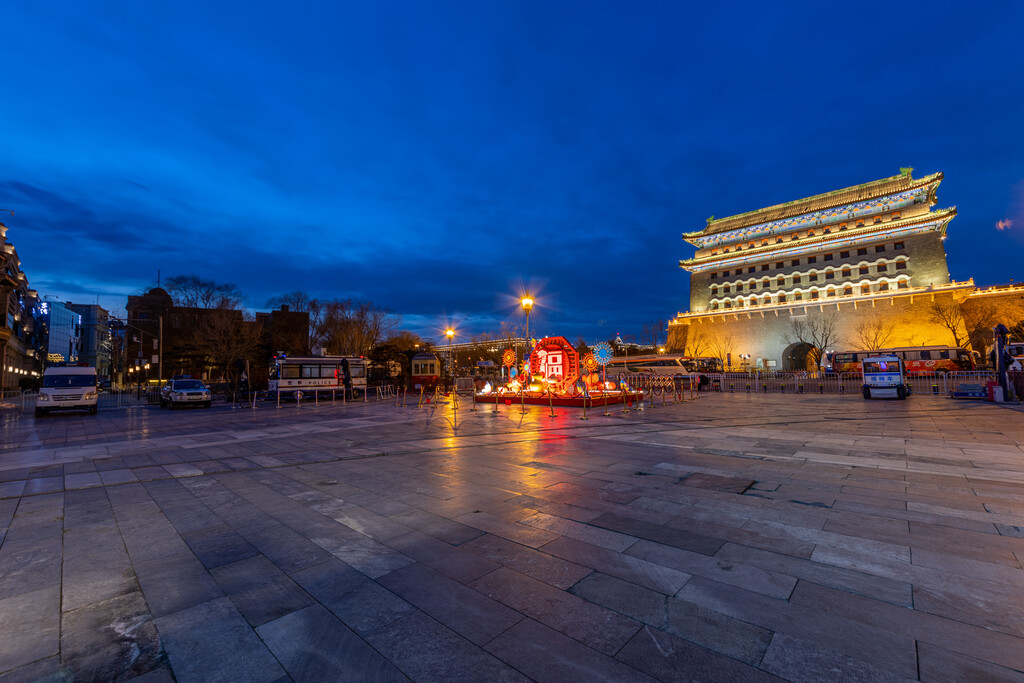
x: 68, y: 388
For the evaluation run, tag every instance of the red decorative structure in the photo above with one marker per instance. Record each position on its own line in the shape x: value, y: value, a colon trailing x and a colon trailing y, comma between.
x: 555, y: 366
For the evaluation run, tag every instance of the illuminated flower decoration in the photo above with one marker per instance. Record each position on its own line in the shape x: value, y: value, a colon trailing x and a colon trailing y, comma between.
x: 589, y: 362
x: 508, y: 359
x: 603, y: 353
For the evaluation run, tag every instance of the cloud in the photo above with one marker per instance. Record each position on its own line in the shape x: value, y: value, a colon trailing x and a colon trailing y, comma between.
x: 1004, y: 224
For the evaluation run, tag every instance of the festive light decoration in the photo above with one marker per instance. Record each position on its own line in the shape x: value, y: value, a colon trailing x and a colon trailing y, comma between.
x: 603, y: 353
x: 508, y: 358
x: 555, y: 359
x: 589, y: 362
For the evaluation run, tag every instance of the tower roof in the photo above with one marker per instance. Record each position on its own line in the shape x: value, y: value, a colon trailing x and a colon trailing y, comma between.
x: 870, y: 190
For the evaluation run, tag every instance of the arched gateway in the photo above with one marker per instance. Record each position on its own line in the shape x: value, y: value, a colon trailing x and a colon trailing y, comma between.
x: 797, y: 356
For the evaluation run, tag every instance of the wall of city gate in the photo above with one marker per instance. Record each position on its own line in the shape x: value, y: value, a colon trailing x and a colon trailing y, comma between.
x: 769, y: 335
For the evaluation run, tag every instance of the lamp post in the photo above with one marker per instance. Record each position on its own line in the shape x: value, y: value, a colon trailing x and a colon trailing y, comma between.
x: 450, y: 333
x: 527, y: 304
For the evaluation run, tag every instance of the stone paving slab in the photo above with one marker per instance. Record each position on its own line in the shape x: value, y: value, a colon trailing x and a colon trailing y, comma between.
x: 736, y: 537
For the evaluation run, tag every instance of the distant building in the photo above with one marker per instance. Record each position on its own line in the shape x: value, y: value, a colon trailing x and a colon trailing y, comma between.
x: 188, y: 336
x: 18, y: 356
x: 286, y: 331
x: 58, y: 331
x: 867, y: 259
x: 94, y: 346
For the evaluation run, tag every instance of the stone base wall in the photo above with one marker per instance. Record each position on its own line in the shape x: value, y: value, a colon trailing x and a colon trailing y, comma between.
x: 770, y: 335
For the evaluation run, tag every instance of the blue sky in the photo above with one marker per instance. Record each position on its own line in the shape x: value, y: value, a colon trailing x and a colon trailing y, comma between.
x: 436, y: 158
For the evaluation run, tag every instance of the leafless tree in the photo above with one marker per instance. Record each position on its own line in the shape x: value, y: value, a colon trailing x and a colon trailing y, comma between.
x: 819, y: 331
x: 405, y: 340
x: 224, y: 337
x: 354, y: 328
x: 190, y: 291
x: 653, y: 331
x: 979, y: 319
x: 950, y: 315
x: 690, y: 340
x: 722, y: 345
x: 874, y: 332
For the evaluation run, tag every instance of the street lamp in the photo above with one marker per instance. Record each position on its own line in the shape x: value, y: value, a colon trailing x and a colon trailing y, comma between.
x: 527, y: 303
x: 450, y: 333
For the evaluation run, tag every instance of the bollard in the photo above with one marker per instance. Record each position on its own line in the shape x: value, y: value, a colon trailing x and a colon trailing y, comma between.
x: 801, y: 388
x: 748, y: 387
x: 732, y: 389
x: 935, y: 387
x: 782, y: 388
x: 821, y: 388
x: 842, y: 387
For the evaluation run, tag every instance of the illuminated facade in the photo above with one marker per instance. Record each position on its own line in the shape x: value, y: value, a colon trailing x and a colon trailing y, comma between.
x: 18, y: 360
x: 876, y: 237
x: 871, y: 254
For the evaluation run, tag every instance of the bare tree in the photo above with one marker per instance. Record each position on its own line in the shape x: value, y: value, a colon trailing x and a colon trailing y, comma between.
x: 818, y: 331
x: 225, y: 339
x: 693, y: 341
x: 190, y: 291
x: 874, y: 332
x: 405, y: 340
x: 354, y: 328
x: 979, y: 319
x: 722, y: 346
x: 950, y: 315
x: 653, y: 331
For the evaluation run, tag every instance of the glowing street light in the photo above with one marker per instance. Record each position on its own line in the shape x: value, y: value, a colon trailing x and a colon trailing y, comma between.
x: 527, y: 303
x: 450, y: 333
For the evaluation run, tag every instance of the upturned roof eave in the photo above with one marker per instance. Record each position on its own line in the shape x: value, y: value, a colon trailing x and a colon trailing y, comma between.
x: 808, y: 204
x: 948, y: 214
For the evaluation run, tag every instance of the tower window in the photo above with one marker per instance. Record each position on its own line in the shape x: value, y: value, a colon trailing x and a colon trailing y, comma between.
x: 879, y: 249
x: 897, y: 245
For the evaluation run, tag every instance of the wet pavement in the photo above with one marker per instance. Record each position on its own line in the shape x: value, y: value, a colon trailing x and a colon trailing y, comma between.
x: 736, y: 537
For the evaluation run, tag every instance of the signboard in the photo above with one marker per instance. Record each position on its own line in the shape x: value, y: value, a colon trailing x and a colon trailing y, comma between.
x: 555, y: 359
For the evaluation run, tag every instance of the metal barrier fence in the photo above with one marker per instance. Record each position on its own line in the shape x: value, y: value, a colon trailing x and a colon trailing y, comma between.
x: 811, y: 383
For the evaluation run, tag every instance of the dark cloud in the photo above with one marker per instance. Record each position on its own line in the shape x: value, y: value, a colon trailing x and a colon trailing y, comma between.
x: 426, y: 159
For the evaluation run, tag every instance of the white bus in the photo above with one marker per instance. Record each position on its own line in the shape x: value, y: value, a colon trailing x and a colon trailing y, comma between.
x: 664, y: 364
x: 292, y: 374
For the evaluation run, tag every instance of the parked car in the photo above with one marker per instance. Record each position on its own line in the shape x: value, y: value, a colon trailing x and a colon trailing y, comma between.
x: 182, y: 391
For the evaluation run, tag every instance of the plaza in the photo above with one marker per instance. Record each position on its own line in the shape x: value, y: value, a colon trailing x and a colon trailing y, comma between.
x: 739, y: 537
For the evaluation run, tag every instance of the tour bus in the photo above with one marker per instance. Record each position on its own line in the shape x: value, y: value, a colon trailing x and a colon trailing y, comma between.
x: 917, y: 359
x: 300, y: 377
x: 664, y: 364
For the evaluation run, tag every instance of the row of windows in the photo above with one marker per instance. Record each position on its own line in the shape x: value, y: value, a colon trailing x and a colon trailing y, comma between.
x: 862, y: 251
x: 797, y: 278
x: 812, y: 295
x: 813, y: 232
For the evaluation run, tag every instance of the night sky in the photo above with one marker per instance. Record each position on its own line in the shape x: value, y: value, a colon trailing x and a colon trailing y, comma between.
x: 438, y: 158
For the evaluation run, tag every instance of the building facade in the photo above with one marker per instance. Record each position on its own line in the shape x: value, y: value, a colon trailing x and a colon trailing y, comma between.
x: 18, y: 357
x: 94, y: 342
x: 860, y: 267
x: 58, y: 333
